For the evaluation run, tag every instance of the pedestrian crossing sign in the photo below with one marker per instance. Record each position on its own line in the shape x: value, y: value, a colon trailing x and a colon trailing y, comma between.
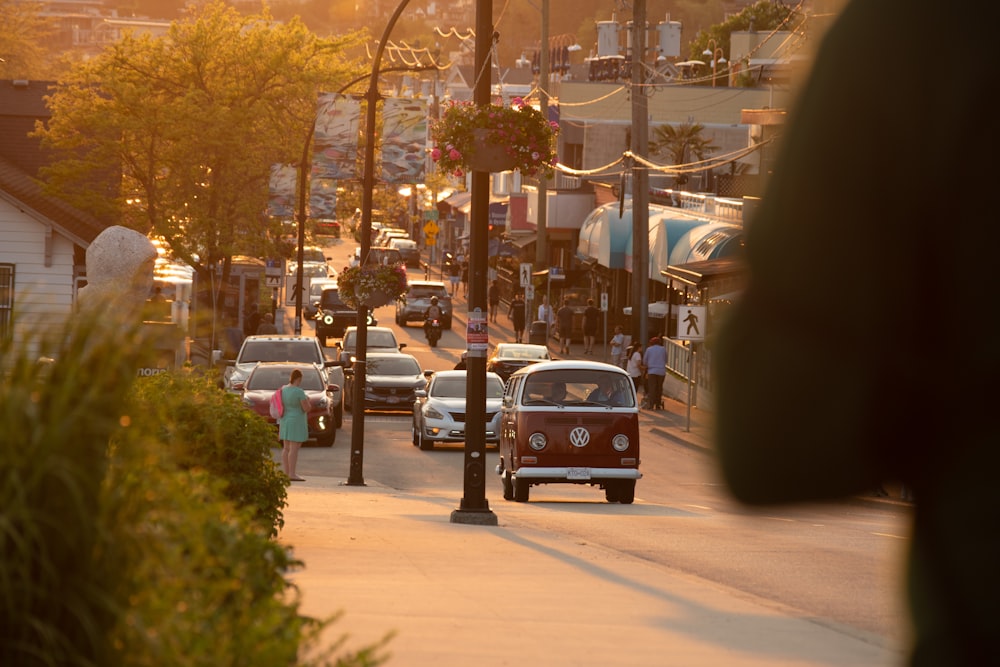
x: 691, y: 323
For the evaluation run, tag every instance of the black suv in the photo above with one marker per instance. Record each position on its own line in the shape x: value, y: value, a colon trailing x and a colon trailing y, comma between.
x: 418, y: 299
x: 333, y: 316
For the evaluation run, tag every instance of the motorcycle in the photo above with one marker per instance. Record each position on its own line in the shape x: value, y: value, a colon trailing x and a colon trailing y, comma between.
x: 432, y: 330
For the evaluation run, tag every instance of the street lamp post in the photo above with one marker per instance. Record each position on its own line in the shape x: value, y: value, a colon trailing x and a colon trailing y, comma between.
x: 714, y: 51
x: 355, y: 474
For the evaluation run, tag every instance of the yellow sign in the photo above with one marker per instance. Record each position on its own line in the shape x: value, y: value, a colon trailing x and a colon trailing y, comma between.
x: 431, y: 228
x: 430, y: 241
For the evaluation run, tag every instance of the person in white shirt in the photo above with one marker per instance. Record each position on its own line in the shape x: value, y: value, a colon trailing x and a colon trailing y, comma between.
x: 546, y: 315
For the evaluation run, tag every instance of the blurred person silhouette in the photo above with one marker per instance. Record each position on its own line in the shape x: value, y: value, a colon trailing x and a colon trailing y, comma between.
x: 822, y: 394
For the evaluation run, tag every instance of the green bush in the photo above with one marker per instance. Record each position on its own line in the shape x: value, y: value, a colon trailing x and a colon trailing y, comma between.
x: 121, y: 542
x: 207, y: 428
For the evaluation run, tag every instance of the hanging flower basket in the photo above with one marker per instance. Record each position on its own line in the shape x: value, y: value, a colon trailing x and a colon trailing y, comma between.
x: 489, y: 137
x: 371, y: 286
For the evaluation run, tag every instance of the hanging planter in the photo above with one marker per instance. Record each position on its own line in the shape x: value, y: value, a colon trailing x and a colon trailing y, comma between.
x: 489, y: 137
x: 372, y: 286
x: 486, y: 155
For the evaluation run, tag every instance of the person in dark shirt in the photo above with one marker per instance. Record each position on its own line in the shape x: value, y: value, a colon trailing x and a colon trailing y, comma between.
x: 591, y: 319
x: 518, y: 315
x: 820, y: 394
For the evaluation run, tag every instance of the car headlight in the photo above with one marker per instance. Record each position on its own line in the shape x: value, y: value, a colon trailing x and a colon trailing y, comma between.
x: 248, y: 402
x: 328, y: 320
x: 432, y: 413
x: 537, y: 441
x: 620, y: 442
x: 322, y: 403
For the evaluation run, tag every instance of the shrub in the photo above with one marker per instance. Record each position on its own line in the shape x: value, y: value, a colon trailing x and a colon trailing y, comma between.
x: 111, y: 553
x: 209, y: 429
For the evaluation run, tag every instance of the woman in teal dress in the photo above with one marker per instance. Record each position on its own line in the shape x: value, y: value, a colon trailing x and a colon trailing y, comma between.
x: 293, y: 429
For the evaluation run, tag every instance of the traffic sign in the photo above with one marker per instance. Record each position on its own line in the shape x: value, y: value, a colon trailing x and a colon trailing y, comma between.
x: 431, y: 240
x: 431, y: 228
x: 525, y: 274
x: 691, y: 323
x: 272, y: 281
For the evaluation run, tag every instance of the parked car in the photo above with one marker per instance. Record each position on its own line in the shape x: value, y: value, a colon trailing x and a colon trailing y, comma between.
x: 439, y: 410
x: 508, y: 358
x: 379, y: 339
x: 383, y: 255
x: 391, y: 381
x: 334, y: 316
x: 387, y: 233
x: 313, y: 262
x: 409, y: 250
x: 418, y: 298
x: 267, y: 377
x: 570, y: 422
x: 273, y: 347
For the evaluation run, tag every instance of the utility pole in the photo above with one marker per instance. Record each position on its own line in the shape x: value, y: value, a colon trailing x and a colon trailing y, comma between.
x: 640, y: 178
x: 541, y: 249
x: 474, y: 508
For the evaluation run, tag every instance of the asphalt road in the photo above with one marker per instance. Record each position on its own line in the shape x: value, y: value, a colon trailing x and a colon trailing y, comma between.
x: 837, y: 564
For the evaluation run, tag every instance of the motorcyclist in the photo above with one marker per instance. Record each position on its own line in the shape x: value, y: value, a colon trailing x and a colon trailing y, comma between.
x: 433, y: 312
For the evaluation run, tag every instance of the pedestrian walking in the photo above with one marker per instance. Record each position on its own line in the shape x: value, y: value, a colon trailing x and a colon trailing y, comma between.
x: 633, y: 365
x: 591, y: 318
x: 564, y: 317
x: 454, y: 275
x: 293, y: 426
x: 493, y: 297
x: 655, y: 361
x: 545, y: 314
x: 465, y: 279
x: 618, y: 347
x: 518, y: 315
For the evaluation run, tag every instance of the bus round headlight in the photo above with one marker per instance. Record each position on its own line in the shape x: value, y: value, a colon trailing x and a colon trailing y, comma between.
x: 328, y: 320
x: 537, y: 441
x: 620, y: 442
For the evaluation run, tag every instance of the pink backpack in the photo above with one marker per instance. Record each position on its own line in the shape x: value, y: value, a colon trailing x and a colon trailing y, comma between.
x: 277, y: 406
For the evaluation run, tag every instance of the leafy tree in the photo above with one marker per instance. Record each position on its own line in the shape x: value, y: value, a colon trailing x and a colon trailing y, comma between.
x: 24, y: 34
x: 763, y: 16
x: 680, y: 143
x: 193, y: 121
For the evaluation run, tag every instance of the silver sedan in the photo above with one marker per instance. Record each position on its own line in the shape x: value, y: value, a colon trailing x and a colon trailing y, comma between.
x: 439, y: 411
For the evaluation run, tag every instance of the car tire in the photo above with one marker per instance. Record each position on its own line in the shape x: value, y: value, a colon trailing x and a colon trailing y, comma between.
x: 521, y: 493
x: 322, y: 340
x: 338, y: 415
x: 416, y: 435
x: 611, y: 492
x: 424, y: 444
x: 626, y: 492
x: 400, y: 321
x: 508, y: 485
x: 446, y: 324
x: 327, y: 439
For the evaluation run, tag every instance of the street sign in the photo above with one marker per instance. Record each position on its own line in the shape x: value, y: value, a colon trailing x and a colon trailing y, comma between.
x: 529, y: 293
x: 274, y: 267
x: 525, y: 274
x: 431, y: 228
x: 431, y: 214
x: 556, y: 273
x: 430, y: 241
x: 272, y: 281
x: 604, y: 301
x: 691, y: 323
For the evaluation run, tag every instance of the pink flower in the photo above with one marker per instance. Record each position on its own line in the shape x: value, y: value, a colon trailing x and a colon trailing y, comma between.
x: 436, y: 154
x: 454, y: 155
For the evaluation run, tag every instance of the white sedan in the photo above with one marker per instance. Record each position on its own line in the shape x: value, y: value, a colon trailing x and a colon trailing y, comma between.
x: 439, y: 411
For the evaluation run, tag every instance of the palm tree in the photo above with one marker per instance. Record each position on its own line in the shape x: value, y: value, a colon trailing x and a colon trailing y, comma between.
x: 679, y: 143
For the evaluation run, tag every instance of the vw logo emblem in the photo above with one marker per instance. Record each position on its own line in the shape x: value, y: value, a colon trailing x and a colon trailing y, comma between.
x: 579, y: 437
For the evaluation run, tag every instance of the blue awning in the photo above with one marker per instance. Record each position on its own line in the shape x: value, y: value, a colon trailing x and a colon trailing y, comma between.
x: 604, y: 236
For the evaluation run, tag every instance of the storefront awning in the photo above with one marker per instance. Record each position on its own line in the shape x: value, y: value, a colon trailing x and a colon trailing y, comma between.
x: 604, y: 236
x: 522, y: 240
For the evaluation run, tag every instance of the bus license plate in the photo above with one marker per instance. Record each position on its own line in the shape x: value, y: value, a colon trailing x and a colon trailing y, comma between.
x: 578, y: 473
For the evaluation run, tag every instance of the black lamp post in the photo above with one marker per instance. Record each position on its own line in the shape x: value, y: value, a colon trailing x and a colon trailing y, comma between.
x: 355, y: 474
